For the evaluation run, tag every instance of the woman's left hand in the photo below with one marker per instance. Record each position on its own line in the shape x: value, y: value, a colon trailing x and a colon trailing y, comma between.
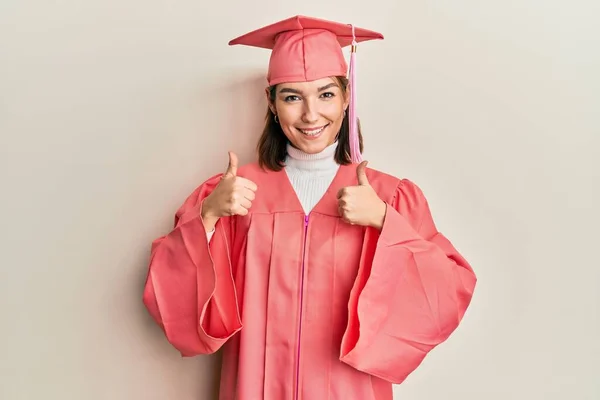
x: 360, y: 205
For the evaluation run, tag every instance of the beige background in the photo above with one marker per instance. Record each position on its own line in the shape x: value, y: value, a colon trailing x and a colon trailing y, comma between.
x: 111, y: 112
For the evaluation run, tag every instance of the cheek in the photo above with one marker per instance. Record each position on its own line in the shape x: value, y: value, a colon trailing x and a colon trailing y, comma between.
x: 289, y: 115
x: 333, y: 111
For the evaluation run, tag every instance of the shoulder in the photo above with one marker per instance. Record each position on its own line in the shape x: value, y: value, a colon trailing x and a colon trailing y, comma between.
x: 379, y: 178
x: 398, y: 191
x: 253, y: 171
x: 391, y: 187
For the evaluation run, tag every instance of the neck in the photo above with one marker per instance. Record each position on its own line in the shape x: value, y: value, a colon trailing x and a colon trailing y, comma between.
x: 311, y: 174
x: 323, y: 161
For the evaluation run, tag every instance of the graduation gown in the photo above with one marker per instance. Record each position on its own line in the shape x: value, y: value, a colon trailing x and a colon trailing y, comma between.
x: 307, y: 306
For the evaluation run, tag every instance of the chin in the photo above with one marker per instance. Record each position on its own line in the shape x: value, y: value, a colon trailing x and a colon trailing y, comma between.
x: 312, y: 148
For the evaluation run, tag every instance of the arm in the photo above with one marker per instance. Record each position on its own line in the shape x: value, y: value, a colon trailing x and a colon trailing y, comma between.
x: 410, y: 294
x: 189, y: 290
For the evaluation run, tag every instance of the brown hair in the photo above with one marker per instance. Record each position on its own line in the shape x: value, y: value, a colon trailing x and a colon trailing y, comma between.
x: 272, y: 144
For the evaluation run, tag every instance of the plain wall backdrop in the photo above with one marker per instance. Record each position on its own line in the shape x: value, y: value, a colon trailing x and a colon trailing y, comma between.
x: 112, y: 112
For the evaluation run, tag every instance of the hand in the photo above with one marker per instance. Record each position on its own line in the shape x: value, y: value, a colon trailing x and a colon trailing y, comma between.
x: 360, y: 205
x: 232, y: 196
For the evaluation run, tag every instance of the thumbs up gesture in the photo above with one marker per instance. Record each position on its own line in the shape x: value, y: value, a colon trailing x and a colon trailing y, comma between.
x: 360, y: 205
x: 232, y: 196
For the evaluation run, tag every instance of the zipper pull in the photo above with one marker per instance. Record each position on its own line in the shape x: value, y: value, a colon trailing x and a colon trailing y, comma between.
x: 306, y: 220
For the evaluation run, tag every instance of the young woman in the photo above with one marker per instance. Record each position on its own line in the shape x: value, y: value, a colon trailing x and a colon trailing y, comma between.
x: 319, y: 278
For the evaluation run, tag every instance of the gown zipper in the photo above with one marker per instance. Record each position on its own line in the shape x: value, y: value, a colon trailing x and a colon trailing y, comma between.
x: 301, y: 307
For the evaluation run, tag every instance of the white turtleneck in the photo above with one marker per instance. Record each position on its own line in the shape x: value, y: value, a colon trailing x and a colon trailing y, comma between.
x: 309, y: 174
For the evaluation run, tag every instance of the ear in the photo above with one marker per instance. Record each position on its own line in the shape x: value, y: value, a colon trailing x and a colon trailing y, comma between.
x: 347, y: 97
x: 269, y: 102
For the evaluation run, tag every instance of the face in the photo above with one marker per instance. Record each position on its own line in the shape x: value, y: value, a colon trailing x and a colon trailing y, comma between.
x: 310, y: 113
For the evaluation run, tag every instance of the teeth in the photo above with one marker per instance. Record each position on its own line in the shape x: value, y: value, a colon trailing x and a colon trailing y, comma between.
x: 312, y: 133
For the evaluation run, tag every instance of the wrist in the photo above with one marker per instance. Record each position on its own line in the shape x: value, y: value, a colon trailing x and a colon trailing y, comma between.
x: 379, y: 217
x: 209, y: 219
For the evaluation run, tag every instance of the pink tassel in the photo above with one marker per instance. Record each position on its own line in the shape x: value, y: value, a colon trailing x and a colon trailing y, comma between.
x: 353, y: 118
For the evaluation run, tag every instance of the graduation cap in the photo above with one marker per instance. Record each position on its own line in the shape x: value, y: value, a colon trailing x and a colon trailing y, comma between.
x: 305, y: 49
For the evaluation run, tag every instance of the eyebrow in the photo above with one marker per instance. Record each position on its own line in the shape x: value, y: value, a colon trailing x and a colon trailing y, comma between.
x: 295, y: 91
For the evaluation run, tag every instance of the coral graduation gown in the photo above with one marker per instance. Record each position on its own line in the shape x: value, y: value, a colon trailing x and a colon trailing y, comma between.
x: 308, y: 306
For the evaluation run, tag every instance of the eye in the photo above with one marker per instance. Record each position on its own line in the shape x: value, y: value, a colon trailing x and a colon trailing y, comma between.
x: 289, y: 99
x: 328, y: 95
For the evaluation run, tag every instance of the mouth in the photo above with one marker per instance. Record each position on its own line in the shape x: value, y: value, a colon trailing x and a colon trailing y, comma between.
x: 312, y: 132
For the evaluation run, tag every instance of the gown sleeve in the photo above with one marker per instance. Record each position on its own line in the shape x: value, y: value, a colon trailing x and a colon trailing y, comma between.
x: 411, y: 291
x: 189, y: 289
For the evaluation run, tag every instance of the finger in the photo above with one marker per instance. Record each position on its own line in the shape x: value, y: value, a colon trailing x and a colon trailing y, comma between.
x: 239, y: 210
x: 347, y: 219
x: 233, y: 164
x: 344, y: 209
x: 341, y: 193
x: 247, y: 183
x: 248, y: 194
x: 245, y: 203
x: 361, y: 173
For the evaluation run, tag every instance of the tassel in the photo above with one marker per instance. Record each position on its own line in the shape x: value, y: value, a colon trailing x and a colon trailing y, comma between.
x: 353, y: 118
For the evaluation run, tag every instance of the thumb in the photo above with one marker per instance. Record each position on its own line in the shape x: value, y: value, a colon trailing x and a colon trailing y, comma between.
x: 233, y: 164
x: 361, y: 174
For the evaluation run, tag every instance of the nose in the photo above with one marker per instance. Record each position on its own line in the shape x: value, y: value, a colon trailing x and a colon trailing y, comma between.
x: 310, y: 113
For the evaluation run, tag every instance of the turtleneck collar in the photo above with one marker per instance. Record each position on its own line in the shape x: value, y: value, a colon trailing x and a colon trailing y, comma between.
x: 323, y: 161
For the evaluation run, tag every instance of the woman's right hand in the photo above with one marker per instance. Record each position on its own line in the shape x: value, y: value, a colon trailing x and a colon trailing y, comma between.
x: 232, y: 196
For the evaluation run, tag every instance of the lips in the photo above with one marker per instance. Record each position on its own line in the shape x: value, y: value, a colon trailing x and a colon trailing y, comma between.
x: 312, y: 131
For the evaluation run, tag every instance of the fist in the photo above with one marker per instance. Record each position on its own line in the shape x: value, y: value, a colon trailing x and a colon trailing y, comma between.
x: 232, y: 196
x: 360, y: 205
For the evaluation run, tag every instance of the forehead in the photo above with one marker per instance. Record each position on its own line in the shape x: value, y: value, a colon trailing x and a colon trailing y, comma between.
x: 307, y: 86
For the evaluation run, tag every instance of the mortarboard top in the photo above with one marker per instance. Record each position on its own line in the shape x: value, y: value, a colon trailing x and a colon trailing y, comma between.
x: 305, y: 48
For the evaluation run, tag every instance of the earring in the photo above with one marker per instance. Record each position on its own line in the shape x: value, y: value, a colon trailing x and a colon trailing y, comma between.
x: 276, y: 119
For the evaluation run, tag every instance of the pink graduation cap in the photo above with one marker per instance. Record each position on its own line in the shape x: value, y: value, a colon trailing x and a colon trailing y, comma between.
x: 306, y: 49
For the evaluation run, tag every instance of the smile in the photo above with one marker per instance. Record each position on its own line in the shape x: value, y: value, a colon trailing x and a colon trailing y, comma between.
x: 314, y: 131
